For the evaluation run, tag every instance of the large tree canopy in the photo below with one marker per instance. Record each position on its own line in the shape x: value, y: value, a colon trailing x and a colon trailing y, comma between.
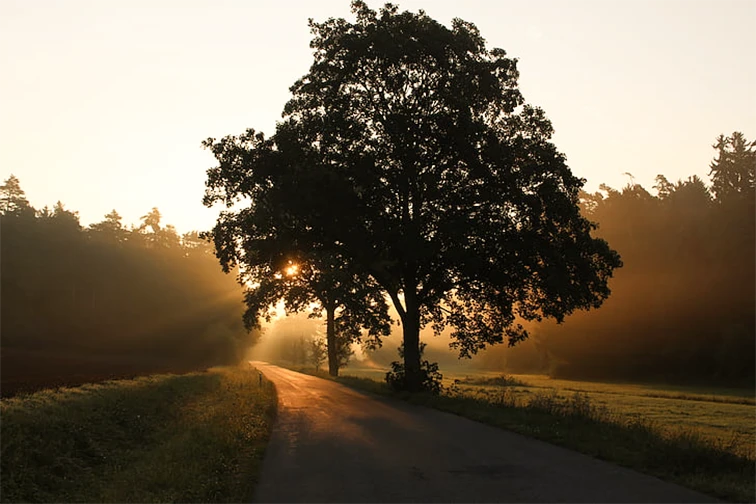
x: 408, y: 150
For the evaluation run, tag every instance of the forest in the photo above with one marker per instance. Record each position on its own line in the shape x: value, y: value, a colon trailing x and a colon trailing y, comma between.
x: 682, y: 306
x: 105, y: 300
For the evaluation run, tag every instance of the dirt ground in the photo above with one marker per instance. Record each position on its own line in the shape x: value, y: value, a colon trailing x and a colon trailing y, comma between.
x: 30, y: 370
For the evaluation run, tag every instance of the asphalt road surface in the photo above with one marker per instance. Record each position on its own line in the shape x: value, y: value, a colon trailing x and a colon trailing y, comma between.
x: 334, y: 444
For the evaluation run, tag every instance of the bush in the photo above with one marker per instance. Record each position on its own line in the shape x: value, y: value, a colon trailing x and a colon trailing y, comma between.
x: 431, y: 377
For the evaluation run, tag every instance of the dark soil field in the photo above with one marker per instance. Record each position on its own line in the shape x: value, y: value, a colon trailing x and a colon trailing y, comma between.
x: 24, y: 371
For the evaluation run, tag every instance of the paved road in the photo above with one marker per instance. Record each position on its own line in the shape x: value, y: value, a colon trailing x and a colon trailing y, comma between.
x: 334, y: 444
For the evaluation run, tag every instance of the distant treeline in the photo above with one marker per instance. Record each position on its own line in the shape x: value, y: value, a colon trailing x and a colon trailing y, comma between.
x: 141, y: 295
x: 683, y: 306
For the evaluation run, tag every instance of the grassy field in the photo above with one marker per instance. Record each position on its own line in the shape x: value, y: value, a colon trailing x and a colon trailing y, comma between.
x: 725, y: 419
x: 197, y: 437
x: 700, y: 438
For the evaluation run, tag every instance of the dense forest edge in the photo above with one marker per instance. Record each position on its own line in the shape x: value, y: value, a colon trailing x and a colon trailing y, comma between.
x: 105, y: 301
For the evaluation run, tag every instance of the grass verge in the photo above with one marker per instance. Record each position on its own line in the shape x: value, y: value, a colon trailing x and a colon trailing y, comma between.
x: 680, y: 456
x: 197, y: 437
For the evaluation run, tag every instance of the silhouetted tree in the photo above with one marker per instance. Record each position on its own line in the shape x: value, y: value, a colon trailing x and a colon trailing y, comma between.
x: 408, y: 149
x: 151, y: 220
x: 275, y: 265
x: 733, y: 172
x: 318, y: 352
x: 12, y: 197
x: 111, y: 229
x: 351, y: 304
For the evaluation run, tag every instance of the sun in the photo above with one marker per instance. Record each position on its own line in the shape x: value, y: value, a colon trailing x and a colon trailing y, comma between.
x: 292, y: 269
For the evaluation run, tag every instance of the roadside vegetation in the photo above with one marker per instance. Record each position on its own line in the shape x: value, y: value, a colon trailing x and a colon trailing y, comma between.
x: 724, y: 417
x: 688, y: 454
x: 197, y: 437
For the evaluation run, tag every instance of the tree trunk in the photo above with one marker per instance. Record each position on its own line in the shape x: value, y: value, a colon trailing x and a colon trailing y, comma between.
x: 333, y: 354
x: 411, y: 333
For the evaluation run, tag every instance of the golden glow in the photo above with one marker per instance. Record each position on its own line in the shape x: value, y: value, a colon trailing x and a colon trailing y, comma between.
x: 292, y: 269
x: 160, y: 90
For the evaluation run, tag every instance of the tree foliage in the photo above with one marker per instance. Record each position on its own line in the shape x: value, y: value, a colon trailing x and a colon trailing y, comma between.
x: 264, y: 240
x: 733, y: 171
x: 12, y: 198
x: 318, y: 352
x: 409, y: 151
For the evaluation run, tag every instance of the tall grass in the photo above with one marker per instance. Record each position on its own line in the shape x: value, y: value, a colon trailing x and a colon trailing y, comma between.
x: 197, y: 437
x: 496, y: 381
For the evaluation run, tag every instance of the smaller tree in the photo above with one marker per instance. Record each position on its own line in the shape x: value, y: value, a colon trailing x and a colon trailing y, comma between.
x: 733, y: 171
x: 349, y: 303
x: 12, y: 198
x: 151, y: 220
x: 161, y: 236
x: 317, y: 352
x: 284, y: 265
x: 111, y: 229
x: 63, y: 221
x: 664, y: 188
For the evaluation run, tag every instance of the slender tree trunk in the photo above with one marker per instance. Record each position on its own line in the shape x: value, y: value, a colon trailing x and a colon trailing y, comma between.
x: 333, y: 354
x: 411, y: 333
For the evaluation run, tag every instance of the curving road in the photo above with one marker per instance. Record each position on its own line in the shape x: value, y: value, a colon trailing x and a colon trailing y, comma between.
x: 334, y: 444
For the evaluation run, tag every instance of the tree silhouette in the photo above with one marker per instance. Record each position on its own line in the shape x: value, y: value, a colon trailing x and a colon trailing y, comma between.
x: 151, y: 220
x: 733, y: 172
x: 350, y: 302
x: 266, y: 242
x: 317, y: 352
x: 12, y: 197
x: 408, y: 149
x: 110, y: 230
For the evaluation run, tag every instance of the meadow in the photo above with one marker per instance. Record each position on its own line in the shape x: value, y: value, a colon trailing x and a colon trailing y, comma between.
x: 195, y: 437
x: 724, y: 418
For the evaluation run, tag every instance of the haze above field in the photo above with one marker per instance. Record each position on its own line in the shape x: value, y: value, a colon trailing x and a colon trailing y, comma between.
x: 105, y: 103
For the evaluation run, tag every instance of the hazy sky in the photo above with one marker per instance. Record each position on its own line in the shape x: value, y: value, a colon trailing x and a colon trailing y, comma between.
x: 104, y: 103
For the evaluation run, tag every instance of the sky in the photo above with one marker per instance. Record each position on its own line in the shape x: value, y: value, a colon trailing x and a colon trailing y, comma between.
x: 104, y: 103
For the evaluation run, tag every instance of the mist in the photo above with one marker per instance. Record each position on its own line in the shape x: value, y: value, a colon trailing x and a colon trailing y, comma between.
x: 81, y: 304
x: 287, y: 338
